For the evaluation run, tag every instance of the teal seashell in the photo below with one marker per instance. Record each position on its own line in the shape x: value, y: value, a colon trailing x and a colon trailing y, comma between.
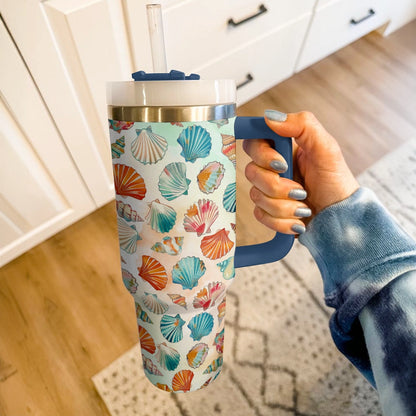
x: 187, y: 272
x: 117, y: 148
x: 195, y: 142
x: 161, y: 217
x: 229, y: 199
x: 127, y: 236
x: 142, y: 315
x: 210, y: 177
x: 197, y: 354
x: 173, y: 181
x: 129, y: 281
x: 169, y: 245
x: 214, y: 366
x: 227, y: 268
x: 201, y: 325
x: 171, y: 327
x: 168, y: 357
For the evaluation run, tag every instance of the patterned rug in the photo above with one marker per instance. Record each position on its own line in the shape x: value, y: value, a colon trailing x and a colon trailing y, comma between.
x: 279, y: 358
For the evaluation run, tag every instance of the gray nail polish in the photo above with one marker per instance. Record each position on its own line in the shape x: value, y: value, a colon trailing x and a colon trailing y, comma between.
x: 279, y: 165
x: 275, y: 115
x: 298, y: 229
x: 298, y: 194
x: 303, y: 212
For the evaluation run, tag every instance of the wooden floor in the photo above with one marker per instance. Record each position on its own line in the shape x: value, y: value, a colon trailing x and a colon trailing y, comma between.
x: 64, y: 313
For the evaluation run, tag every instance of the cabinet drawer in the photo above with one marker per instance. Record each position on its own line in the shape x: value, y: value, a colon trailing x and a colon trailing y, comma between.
x: 339, y: 23
x: 268, y: 61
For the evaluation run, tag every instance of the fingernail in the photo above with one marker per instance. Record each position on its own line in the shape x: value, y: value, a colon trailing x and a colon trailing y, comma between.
x: 298, y: 229
x: 275, y: 115
x: 303, y: 212
x: 279, y: 166
x: 298, y: 194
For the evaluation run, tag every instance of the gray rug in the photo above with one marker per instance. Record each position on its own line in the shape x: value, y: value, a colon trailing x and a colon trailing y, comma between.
x: 278, y: 353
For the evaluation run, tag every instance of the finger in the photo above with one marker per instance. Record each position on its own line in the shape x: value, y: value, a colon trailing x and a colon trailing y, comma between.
x: 284, y: 226
x: 264, y: 155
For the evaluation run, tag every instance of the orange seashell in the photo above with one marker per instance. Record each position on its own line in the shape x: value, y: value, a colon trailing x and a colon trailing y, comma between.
x: 216, y: 245
x: 146, y: 341
x: 182, y: 380
x: 153, y: 272
x: 163, y: 387
x: 128, y: 182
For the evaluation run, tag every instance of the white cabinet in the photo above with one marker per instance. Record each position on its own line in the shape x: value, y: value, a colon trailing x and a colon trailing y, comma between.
x: 400, y: 13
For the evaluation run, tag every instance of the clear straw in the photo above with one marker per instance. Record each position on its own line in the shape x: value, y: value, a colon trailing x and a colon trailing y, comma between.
x: 157, y: 40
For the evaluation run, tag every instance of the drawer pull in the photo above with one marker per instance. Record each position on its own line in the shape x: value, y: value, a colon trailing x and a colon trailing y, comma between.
x: 371, y: 12
x: 262, y: 9
x: 248, y: 79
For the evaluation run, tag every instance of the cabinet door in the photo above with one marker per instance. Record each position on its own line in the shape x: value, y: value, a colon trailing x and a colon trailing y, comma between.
x: 41, y: 191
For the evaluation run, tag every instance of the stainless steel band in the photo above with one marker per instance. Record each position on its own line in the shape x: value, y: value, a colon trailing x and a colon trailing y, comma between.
x: 170, y: 114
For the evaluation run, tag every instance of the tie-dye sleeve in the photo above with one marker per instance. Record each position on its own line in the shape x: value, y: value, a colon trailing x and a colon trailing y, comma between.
x: 361, y: 252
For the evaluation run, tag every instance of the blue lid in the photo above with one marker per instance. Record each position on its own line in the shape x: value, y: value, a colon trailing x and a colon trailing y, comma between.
x: 164, y: 76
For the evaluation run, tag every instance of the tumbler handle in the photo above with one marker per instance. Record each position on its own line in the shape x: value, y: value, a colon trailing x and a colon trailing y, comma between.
x: 279, y: 246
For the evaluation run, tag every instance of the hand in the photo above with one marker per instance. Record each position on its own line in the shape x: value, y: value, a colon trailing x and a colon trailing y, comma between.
x: 321, y: 174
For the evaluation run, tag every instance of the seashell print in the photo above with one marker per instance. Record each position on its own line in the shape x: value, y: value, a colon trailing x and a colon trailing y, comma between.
x: 221, y: 311
x: 233, y: 226
x: 126, y: 212
x: 227, y: 268
x: 148, y: 147
x: 228, y: 147
x: 214, y: 366
x: 176, y: 123
x: 129, y: 281
x: 195, y: 142
x: 220, y: 122
x: 127, y: 236
x: 169, y: 245
x: 187, y: 272
x: 153, y: 272
x: 210, y: 177
x: 219, y: 342
x: 150, y: 367
x: 168, y: 357
x: 206, y: 297
x: 197, y: 354
x: 154, y: 304
x: 117, y: 148
x: 146, y: 341
x: 173, y: 181
x: 178, y: 300
x: 198, y: 219
x: 182, y: 380
x: 171, y: 327
x: 207, y: 383
x: 142, y: 315
x: 229, y: 199
x: 128, y: 182
x: 120, y: 125
x: 216, y: 245
x: 161, y: 217
x: 201, y: 325
x: 163, y: 387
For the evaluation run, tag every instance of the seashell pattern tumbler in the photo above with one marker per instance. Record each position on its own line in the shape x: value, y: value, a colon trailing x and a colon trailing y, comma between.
x: 173, y: 149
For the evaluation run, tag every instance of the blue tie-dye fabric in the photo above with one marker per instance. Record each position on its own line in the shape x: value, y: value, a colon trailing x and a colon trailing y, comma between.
x: 368, y: 265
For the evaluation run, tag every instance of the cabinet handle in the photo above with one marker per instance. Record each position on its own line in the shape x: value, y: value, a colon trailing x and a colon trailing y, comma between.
x: 371, y: 12
x: 248, y: 79
x: 262, y: 9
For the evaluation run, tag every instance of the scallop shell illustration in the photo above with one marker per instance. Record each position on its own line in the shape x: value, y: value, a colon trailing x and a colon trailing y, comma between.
x: 228, y: 147
x: 197, y: 354
x: 227, y: 268
x: 221, y: 311
x: 163, y: 387
x: 148, y: 147
x: 229, y: 199
x: 128, y: 182
x: 233, y: 226
x: 161, y: 217
x: 168, y: 357
x: 150, y: 367
x: 176, y: 123
x: 214, y: 366
x: 154, y: 304
x: 146, y: 341
x: 120, y: 125
x: 199, y: 218
x: 127, y: 236
x: 206, y: 297
x: 219, y: 342
x: 142, y: 315
x: 171, y: 327
x: 201, y: 325
x: 220, y: 122
x: 195, y: 142
x: 169, y: 245
x: 210, y: 177
x: 153, y: 272
x: 182, y: 380
x: 173, y: 181
x: 188, y: 271
x: 126, y: 212
x: 207, y: 383
x: 117, y: 148
x: 178, y: 300
x: 129, y: 281
x: 216, y: 245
